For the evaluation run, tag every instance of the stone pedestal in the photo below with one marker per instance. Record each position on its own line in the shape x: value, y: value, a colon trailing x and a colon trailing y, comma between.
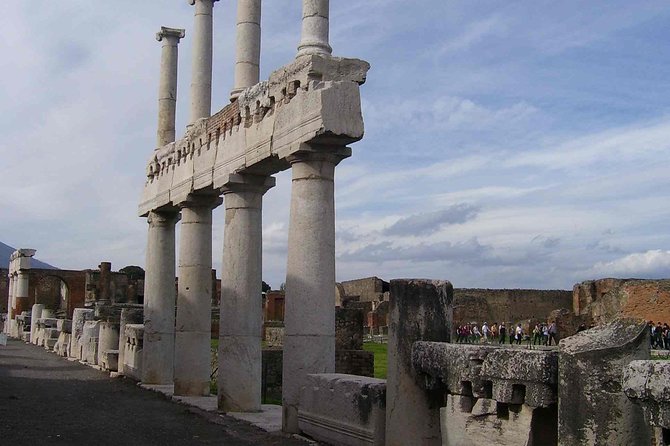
x: 22, y: 297
x: 36, y: 314
x: 10, y: 304
x: 108, y: 339
x: 592, y: 406
x: 248, y: 52
x: 194, y: 298
x: 309, y: 342
x: 128, y: 316
x: 420, y: 310
x: 167, y: 88
x: 159, y: 299
x: 239, y: 377
x: 315, y: 28
x: 201, y: 73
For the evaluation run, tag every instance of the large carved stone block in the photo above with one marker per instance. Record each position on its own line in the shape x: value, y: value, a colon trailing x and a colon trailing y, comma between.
x: 343, y: 409
x: 593, y: 409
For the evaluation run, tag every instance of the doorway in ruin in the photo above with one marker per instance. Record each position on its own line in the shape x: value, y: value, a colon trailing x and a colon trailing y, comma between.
x: 54, y: 293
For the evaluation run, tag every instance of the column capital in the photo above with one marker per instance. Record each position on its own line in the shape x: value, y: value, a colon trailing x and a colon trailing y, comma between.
x: 163, y: 218
x: 167, y: 33
x: 193, y: 2
x: 317, y: 152
x: 201, y: 201
x: 248, y: 183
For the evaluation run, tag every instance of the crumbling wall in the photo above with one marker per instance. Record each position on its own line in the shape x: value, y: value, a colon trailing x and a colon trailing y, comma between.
x: 497, y: 305
x: 605, y: 300
x: 368, y: 289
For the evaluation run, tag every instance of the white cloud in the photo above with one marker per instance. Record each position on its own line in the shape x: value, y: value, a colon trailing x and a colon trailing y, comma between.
x: 649, y: 264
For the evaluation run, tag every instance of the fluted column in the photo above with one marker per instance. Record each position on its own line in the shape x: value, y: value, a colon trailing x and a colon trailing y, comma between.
x: 309, y: 340
x: 167, y: 87
x: 248, y: 52
x: 315, y: 28
x: 241, y: 307
x: 194, y: 297
x: 159, y: 299
x: 201, y: 72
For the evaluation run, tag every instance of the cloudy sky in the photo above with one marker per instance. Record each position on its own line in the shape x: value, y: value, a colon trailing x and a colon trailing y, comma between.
x: 508, y: 143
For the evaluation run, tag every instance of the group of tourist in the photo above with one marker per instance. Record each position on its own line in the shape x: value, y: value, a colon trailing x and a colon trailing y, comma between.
x: 659, y: 335
x: 541, y: 334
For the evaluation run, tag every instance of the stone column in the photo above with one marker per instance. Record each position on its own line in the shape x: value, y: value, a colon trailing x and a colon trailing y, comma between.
x: 314, y: 38
x: 159, y: 299
x: 201, y: 72
x: 22, y: 297
x: 248, y: 54
x: 309, y: 342
x: 241, y: 307
x: 167, y: 87
x: 194, y: 298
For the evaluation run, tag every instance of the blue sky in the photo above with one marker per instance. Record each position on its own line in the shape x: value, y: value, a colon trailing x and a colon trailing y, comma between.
x: 508, y: 144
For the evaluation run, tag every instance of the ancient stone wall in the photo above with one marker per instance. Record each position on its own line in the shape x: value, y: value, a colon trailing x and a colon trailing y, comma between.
x: 496, y: 305
x: 604, y: 300
x: 355, y: 362
x: 349, y: 329
x: 368, y: 289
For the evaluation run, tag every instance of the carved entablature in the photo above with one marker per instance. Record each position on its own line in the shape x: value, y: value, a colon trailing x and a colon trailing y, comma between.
x: 314, y: 100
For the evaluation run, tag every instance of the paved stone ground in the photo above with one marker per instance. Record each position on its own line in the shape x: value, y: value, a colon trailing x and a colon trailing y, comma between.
x: 48, y: 400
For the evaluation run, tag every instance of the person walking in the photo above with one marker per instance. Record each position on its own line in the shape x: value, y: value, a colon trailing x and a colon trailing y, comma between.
x: 486, y: 332
x: 502, y: 333
x: 537, y: 334
x: 552, y: 333
x: 519, y: 334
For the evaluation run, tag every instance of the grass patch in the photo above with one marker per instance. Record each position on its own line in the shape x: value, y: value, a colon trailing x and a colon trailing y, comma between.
x: 380, y: 352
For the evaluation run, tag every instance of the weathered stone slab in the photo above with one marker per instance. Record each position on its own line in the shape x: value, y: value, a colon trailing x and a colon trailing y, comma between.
x: 343, y: 409
x: 88, y: 344
x: 647, y: 383
x: 468, y: 421
x: 419, y: 310
x: 134, y: 338
x: 593, y: 410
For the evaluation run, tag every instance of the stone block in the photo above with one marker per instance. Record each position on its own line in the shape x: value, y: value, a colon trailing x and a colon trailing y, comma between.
x: 108, y: 338
x: 64, y: 325
x: 593, y: 409
x: 109, y: 360
x: 343, y: 409
x: 468, y: 421
x: 419, y: 310
x: 63, y: 344
x: 132, y: 359
x: 647, y: 383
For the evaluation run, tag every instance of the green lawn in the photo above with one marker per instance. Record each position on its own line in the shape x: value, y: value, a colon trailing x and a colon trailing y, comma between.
x: 380, y: 352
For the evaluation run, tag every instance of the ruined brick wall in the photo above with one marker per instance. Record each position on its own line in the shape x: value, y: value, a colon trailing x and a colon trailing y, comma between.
x: 274, y: 306
x: 604, y: 300
x: 490, y: 305
x: 368, y: 289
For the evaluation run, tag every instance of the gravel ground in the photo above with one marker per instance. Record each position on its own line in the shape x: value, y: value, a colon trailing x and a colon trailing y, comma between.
x: 46, y: 399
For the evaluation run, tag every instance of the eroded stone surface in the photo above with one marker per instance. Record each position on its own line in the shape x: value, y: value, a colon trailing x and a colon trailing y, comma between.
x: 593, y: 409
x: 647, y: 383
x: 343, y: 409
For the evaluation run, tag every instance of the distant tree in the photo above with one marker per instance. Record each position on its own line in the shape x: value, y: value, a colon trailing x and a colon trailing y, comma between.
x: 133, y: 271
x: 265, y: 287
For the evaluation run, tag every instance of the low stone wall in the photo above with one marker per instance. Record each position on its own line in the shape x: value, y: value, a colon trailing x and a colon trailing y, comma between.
x: 132, y: 358
x: 496, y: 395
x: 343, y: 409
